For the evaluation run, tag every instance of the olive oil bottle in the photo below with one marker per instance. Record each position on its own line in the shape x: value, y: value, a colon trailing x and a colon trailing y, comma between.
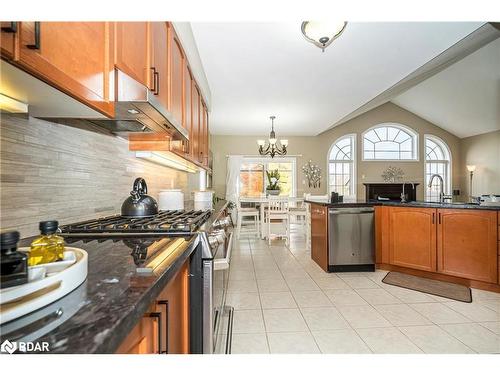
x: 47, y: 248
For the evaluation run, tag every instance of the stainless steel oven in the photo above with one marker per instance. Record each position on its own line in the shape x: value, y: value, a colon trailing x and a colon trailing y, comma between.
x: 217, y: 317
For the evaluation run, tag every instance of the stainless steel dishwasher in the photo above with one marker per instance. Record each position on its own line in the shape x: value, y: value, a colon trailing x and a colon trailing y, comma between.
x: 351, y: 242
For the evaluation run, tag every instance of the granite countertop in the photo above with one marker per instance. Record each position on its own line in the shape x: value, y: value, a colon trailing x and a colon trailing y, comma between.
x: 360, y: 203
x: 99, y: 314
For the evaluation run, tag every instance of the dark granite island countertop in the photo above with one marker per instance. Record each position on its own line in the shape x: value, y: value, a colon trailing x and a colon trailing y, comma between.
x: 421, y: 204
x: 100, y: 313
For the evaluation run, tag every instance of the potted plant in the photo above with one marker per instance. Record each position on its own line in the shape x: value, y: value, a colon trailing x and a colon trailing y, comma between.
x: 273, y: 177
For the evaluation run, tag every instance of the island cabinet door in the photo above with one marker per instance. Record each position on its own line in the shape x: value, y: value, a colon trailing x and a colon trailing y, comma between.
x: 75, y: 57
x: 467, y: 244
x: 319, y: 235
x: 412, y: 237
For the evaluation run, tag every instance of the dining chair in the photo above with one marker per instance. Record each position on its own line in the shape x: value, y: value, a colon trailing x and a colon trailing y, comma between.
x: 247, y: 212
x: 277, y: 210
x: 298, y: 215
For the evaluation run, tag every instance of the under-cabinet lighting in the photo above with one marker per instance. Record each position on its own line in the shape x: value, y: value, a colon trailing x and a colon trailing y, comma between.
x: 167, y: 159
x: 12, y: 105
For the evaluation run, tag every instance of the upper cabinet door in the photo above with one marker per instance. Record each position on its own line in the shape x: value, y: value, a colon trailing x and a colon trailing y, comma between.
x: 177, y: 62
x: 75, y: 57
x: 133, y: 45
x: 412, y: 237
x: 8, y: 39
x: 467, y: 244
x: 188, y: 110
x: 204, y: 135
x: 196, y: 122
x: 159, y: 61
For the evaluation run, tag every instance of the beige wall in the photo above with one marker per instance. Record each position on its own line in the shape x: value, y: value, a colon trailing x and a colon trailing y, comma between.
x: 53, y: 171
x: 316, y: 148
x: 483, y: 151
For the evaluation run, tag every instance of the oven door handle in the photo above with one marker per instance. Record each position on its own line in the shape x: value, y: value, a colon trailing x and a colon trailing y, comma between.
x: 223, y: 264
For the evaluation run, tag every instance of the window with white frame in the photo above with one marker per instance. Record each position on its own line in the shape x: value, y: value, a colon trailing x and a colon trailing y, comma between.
x: 341, y: 166
x: 437, y: 161
x: 390, y: 142
x: 253, y: 180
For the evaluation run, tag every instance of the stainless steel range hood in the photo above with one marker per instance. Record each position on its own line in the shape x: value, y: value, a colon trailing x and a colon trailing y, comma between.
x: 137, y: 110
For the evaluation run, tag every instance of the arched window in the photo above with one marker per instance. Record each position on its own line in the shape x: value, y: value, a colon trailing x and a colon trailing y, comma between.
x: 342, y: 165
x: 437, y: 161
x: 390, y: 142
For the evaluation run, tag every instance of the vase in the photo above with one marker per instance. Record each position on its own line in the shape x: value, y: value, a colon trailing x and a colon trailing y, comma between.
x: 272, y: 192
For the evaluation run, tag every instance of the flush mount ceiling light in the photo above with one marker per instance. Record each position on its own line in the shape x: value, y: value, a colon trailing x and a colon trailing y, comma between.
x: 322, y: 34
x: 274, y: 146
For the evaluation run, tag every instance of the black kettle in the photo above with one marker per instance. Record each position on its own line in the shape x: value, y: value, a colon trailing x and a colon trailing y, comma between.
x: 139, y: 204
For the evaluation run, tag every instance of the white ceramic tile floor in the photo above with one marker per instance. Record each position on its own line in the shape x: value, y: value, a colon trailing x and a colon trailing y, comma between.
x: 285, y: 303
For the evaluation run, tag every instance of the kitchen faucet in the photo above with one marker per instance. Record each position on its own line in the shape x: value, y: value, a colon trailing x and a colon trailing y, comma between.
x: 442, y: 196
x: 403, y: 195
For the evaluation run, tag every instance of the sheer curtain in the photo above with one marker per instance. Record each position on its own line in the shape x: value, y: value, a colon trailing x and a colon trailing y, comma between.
x: 233, y: 178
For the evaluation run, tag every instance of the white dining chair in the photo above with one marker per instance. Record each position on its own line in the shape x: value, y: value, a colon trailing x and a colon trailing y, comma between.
x: 298, y: 216
x: 247, y: 212
x: 277, y: 210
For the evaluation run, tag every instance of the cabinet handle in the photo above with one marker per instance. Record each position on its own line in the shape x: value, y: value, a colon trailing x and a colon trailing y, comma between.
x: 153, y: 70
x: 439, y: 217
x: 433, y: 217
x: 157, y: 316
x: 38, y: 36
x: 10, y: 29
x: 165, y: 303
x: 157, y: 83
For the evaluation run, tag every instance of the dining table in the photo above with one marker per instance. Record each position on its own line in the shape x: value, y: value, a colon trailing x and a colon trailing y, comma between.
x: 263, y: 201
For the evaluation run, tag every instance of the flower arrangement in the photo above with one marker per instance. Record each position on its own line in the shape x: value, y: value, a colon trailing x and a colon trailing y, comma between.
x: 313, y: 174
x: 273, y: 178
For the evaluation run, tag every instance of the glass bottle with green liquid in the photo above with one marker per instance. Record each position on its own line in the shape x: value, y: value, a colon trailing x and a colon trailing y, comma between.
x: 47, y: 248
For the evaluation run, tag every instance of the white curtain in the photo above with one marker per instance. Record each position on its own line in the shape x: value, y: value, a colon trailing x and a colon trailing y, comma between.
x: 233, y: 178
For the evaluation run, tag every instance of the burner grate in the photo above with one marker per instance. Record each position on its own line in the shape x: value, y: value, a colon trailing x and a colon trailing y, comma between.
x: 164, y: 222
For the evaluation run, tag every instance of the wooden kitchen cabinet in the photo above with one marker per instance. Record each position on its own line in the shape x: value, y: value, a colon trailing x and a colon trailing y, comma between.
x: 9, y: 39
x: 143, y: 339
x: 173, y: 302
x: 188, y: 110
x: 204, y: 135
x: 196, y: 105
x: 133, y: 51
x: 467, y: 244
x: 167, y: 316
x: 176, y: 78
x: 319, y: 235
x: 412, y: 237
x: 159, y: 61
x: 75, y: 57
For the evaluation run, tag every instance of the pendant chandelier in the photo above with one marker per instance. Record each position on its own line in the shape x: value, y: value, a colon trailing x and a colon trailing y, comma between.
x: 322, y: 34
x: 274, y: 147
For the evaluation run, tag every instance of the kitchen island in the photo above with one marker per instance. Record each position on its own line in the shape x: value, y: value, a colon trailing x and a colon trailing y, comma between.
x: 456, y: 242
x: 118, y: 309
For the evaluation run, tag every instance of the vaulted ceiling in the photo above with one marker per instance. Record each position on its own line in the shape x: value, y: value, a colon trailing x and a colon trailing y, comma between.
x: 464, y: 98
x: 260, y: 69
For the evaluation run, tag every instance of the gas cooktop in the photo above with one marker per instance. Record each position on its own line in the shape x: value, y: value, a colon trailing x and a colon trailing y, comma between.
x: 169, y: 222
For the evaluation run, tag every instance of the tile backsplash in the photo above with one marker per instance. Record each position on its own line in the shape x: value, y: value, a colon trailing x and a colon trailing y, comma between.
x: 53, y: 171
